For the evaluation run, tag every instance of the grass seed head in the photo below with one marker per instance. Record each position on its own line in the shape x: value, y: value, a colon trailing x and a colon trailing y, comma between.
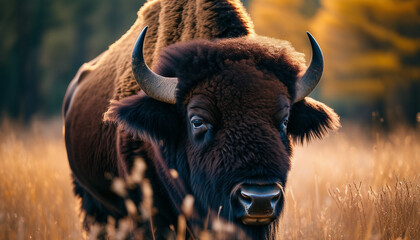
x: 119, y: 187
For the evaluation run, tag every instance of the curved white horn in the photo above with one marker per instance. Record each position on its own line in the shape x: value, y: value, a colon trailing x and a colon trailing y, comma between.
x: 155, y: 86
x: 310, y: 79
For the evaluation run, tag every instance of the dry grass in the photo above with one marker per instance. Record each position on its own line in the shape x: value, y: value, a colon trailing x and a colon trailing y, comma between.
x: 355, y: 186
x: 349, y: 186
x: 36, y: 198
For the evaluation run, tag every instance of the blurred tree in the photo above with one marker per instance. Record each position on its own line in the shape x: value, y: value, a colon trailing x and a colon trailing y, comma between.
x: 284, y: 19
x: 372, y: 52
x: 79, y: 33
x: 44, y: 42
x: 22, y: 23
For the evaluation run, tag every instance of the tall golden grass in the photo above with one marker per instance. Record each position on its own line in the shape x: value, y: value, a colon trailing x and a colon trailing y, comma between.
x: 355, y: 184
x: 36, y: 198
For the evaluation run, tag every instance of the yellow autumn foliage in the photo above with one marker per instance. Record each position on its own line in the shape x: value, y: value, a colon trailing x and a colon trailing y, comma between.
x: 281, y: 19
x: 371, y: 42
x: 368, y: 45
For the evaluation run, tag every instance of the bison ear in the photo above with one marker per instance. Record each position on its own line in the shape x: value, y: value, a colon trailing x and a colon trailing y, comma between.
x: 142, y: 116
x: 311, y: 119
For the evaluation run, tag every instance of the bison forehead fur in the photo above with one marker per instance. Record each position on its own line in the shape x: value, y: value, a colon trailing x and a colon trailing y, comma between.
x: 226, y: 58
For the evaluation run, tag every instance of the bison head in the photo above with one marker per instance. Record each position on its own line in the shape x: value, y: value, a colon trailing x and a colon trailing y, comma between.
x: 225, y: 117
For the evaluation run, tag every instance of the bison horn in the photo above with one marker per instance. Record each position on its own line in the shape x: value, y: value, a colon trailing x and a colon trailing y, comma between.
x: 155, y: 86
x: 310, y: 79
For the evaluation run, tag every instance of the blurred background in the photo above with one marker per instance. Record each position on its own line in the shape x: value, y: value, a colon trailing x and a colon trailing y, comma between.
x: 371, y: 50
x: 362, y: 182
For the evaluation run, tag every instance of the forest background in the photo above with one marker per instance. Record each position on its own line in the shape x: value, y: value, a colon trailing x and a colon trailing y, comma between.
x: 371, y: 48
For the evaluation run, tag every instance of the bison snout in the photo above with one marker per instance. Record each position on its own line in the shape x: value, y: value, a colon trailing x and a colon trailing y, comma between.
x: 255, y: 204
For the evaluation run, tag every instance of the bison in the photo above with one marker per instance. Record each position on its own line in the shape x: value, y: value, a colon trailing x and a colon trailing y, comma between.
x: 214, y: 119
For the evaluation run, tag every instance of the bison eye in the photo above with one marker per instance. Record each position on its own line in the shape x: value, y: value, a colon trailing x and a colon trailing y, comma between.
x: 198, y: 123
x: 283, y: 125
x: 200, y: 128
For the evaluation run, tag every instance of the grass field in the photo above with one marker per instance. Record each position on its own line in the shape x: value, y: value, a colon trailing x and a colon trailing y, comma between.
x: 355, y: 184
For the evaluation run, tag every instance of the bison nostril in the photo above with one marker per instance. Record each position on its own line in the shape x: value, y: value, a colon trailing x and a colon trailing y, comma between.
x: 276, y: 197
x: 245, y: 196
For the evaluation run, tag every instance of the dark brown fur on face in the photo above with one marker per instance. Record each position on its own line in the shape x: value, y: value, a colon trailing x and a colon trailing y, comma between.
x: 242, y: 88
x: 244, y: 84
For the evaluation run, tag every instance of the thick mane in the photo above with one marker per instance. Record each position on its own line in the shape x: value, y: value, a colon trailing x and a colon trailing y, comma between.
x: 194, y: 61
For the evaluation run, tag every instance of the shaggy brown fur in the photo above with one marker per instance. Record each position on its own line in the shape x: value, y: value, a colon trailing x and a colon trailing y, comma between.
x: 263, y: 70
